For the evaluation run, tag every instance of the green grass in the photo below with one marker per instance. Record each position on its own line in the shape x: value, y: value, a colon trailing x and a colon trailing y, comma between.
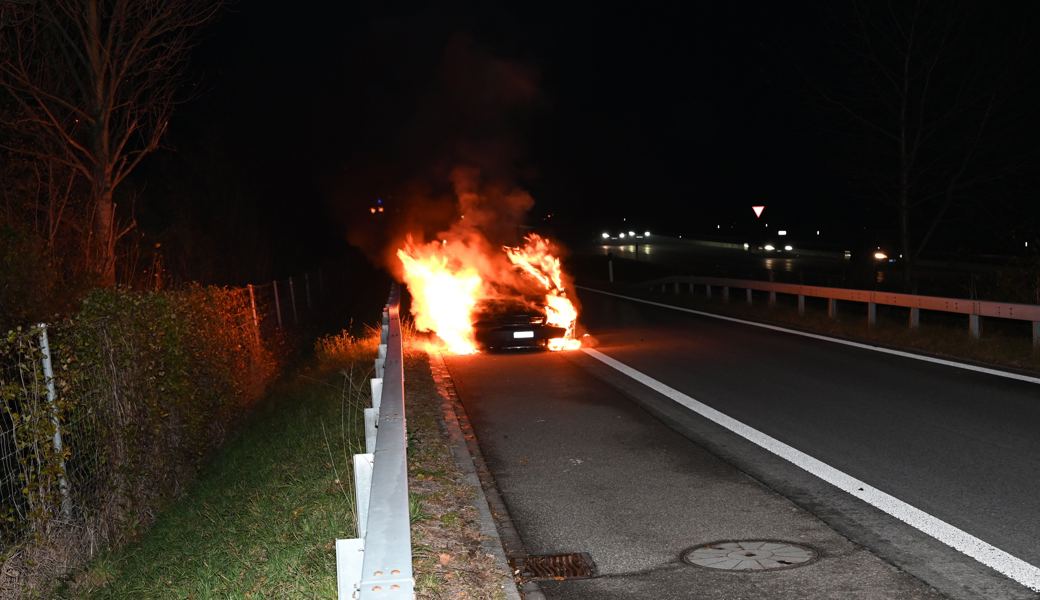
x: 262, y: 519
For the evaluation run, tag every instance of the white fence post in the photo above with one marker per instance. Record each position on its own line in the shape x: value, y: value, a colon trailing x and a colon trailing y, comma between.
x: 277, y: 303
x: 52, y: 400
x: 292, y: 298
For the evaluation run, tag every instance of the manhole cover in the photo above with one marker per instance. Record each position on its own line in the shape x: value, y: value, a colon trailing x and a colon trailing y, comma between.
x: 575, y: 565
x: 751, y: 555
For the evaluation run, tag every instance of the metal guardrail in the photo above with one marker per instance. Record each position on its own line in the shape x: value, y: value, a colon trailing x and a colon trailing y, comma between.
x: 975, y: 309
x: 378, y: 563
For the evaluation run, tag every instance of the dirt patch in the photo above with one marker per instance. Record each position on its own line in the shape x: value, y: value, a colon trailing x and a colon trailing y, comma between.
x: 449, y: 559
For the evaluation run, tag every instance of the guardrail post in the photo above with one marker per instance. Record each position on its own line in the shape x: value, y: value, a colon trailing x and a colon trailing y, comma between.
x: 748, y: 290
x: 801, y: 305
x: 377, y: 391
x: 772, y: 298
x: 52, y: 399
x: 676, y: 287
x: 915, y: 317
x: 871, y: 314
x: 371, y: 429
x: 725, y: 293
x: 1036, y: 335
x: 975, y: 326
x: 832, y: 308
x: 350, y: 556
x: 380, y: 360
x: 277, y: 303
x: 707, y: 289
x: 363, y: 464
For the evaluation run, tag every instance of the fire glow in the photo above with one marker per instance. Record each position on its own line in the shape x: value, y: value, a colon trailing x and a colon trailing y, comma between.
x: 449, y: 279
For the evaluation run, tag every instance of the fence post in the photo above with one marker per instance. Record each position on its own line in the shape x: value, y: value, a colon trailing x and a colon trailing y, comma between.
x: 871, y: 314
x: 52, y: 399
x: 256, y: 318
x: 915, y: 318
x: 292, y: 298
x: 307, y: 288
x: 277, y: 303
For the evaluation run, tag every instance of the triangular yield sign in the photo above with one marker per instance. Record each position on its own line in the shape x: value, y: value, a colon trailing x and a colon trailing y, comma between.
x: 758, y: 210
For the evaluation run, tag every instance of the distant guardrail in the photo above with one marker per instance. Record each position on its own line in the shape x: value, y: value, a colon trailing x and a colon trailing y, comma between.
x: 974, y: 309
x: 378, y: 563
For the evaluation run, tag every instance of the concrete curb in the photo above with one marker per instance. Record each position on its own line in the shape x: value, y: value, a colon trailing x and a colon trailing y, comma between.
x: 500, y: 537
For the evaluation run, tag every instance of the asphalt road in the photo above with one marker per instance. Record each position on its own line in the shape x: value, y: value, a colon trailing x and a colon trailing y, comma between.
x: 959, y: 445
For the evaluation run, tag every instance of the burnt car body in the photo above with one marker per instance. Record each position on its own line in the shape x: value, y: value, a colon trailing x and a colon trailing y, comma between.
x: 512, y: 325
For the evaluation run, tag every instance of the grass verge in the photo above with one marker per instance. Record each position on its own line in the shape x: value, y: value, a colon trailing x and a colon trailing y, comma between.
x: 262, y: 519
x: 448, y: 556
x: 1004, y: 344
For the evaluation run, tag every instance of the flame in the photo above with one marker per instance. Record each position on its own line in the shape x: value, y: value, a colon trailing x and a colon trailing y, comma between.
x: 536, y: 259
x: 443, y: 294
x: 448, y: 279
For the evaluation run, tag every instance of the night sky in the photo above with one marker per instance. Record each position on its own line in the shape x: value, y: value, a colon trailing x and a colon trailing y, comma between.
x: 678, y: 116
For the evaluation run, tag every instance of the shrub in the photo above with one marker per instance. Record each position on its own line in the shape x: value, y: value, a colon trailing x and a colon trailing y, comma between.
x: 149, y: 383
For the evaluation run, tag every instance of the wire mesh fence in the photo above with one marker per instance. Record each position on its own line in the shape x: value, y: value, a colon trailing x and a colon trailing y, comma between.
x: 105, y: 414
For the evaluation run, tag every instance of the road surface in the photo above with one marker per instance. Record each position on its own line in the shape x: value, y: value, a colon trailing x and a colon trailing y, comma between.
x: 588, y: 459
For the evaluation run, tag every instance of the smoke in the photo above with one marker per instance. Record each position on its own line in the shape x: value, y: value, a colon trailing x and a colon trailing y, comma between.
x: 453, y: 170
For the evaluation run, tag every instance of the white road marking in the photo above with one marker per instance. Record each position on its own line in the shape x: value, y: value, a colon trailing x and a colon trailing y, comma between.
x: 816, y: 336
x: 991, y: 556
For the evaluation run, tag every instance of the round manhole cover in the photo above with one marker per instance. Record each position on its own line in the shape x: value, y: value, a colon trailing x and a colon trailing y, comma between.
x: 750, y: 555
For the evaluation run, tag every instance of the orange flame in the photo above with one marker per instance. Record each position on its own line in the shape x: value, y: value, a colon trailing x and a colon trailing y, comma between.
x: 447, y: 281
x: 443, y: 295
x: 536, y: 259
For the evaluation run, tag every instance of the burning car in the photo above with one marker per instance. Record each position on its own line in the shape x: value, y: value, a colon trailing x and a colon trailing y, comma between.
x: 471, y: 295
x: 513, y: 324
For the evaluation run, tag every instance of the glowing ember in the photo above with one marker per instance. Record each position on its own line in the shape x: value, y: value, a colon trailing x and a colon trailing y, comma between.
x: 448, y: 280
x: 443, y: 294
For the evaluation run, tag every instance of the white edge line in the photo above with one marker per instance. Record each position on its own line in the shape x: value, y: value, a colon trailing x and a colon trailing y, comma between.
x: 991, y: 556
x: 816, y: 336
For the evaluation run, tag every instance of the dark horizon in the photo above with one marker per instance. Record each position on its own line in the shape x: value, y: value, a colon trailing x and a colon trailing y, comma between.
x: 678, y: 118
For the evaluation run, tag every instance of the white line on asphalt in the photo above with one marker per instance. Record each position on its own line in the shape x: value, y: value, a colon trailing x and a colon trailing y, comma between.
x: 816, y: 336
x: 991, y: 556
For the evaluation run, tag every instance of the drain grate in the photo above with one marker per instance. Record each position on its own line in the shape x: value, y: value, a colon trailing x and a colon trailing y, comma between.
x: 749, y: 555
x: 576, y: 565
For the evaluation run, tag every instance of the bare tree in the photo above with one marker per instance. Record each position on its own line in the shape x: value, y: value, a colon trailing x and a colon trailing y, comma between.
x: 927, y: 96
x: 93, y: 83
